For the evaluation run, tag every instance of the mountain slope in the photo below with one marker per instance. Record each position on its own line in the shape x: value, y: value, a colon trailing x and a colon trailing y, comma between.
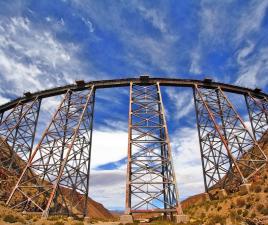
x: 239, y: 206
x: 8, y: 179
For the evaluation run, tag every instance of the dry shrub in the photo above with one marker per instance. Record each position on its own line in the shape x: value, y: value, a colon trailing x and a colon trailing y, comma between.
x: 216, y: 219
x: 245, y: 213
x: 257, y: 189
x: 259, y: 207
x: 13, y: 219
x: 59, y: 223
x: 240, y: 202
x: 239, y: 211
x: 264, y: 211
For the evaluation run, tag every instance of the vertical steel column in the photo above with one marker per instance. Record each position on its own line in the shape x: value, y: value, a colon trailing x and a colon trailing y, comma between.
x: 17, y: 133
x: 56, y: 177
x: 231, y: 155
x: 258, y: 114
x: 151, y: 183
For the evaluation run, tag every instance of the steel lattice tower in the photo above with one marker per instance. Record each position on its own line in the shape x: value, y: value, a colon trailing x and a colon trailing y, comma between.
x: 230, y: 154
x: 17, y: 131
x: 151, y: 183
x: 56, y: 177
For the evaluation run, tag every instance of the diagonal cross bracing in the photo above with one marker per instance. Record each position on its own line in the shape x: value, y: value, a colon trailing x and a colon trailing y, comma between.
x: 56, y: 177
x: 17, y: 133
x: 151, y: 183
x: 230, y: 154
x: 258, y: 114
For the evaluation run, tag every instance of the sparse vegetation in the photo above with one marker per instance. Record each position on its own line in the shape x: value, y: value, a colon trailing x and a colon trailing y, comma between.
x: 13, y: 219
x: 213, y: 219
x: 264, y: 211
x: 59, y: 223
x: 78, y: 223
x: 10, y: 219
x: 240, y: 202
x: 259, y: 207
x: 257, y: 189
x: 253, y: 215
x: 245, y: 213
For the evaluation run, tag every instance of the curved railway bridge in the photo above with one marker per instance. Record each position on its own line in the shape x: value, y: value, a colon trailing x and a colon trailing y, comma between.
x: 60, y: 162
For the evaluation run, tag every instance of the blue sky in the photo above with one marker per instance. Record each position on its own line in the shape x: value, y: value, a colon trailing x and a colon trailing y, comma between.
x: 45, y: 43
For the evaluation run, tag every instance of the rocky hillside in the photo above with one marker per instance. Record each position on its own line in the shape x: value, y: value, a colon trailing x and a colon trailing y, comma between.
x: 8, y: 179
x: 250, y: 208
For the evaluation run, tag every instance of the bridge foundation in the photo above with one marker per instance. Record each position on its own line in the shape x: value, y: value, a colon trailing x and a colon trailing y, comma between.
x: 245, y: 188
x: 127, y: 218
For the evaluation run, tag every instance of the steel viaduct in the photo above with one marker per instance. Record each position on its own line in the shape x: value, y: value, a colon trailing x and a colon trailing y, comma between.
x: 53, y: 175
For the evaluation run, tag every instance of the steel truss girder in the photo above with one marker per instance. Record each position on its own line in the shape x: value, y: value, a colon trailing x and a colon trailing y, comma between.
x: 230, y: 154
x: 151, y: 182
x: 17, y: 133
x: 56, y: 177
x: 258, y: 114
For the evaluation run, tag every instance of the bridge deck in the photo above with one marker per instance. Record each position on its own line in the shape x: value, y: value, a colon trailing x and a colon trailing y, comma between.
x: 125, y: 82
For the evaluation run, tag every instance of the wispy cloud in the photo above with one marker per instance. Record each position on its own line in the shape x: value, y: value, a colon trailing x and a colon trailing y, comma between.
x: 187, y: 161
x: 182, y: 100
x: 33, y: 59
x: 254, y: 68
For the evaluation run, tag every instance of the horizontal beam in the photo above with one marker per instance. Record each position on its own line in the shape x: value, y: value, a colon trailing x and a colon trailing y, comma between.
x: 125, y: 82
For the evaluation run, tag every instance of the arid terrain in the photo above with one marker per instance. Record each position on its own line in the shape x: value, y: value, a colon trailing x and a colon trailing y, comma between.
x: 236, y: 207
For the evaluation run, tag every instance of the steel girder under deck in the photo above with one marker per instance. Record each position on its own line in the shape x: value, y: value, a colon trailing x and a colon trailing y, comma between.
x: 230, y: 154
x: 56, y: 177
x: 151, y: 183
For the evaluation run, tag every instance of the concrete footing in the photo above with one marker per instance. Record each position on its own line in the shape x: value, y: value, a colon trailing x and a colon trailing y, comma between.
x: 126, y: 219
x: 222, y: 194
x: 244, y: 188
x: 181, y: 218
x: 86, y: 219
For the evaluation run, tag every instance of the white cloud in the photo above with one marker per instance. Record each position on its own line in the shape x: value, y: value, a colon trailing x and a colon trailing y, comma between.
x: 250, y: 19
x: 244, y: 52
x: 187, y: 161
x: 31, y: 58
x: 155, y: 17
x: 109, y: 188
x: 195, y: 62
x: 108, y: 146
x: 254, y: 69
x: 183, y: 101
x: 140, y: 49
x: 3, y: 100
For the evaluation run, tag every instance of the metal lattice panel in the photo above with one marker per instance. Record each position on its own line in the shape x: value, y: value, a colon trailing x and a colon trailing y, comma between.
x: 60, y: 162
x: 258, y: 114
x: 151, y: 183
x: 229, y: 152
x: 17, y: 131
